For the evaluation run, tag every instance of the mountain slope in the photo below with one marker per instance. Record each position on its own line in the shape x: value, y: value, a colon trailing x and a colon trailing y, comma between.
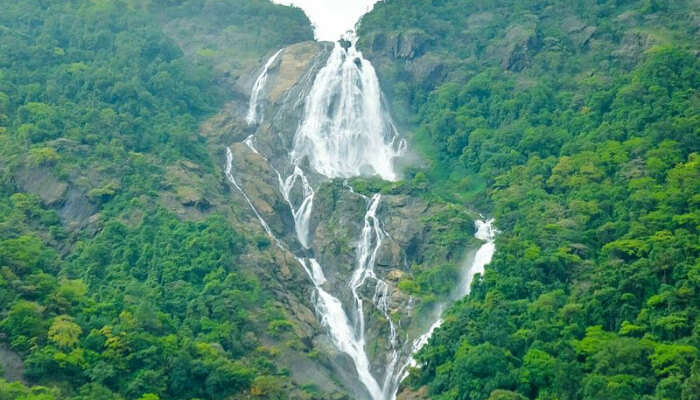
x: 578, y: 126
x: 121, y: 272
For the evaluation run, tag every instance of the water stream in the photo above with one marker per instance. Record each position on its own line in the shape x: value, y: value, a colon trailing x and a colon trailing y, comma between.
x: 486, y: 232
x: 255, y: 110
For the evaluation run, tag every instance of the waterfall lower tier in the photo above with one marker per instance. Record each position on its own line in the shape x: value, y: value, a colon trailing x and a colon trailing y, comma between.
x: 346, y: 337
x: 486, y: 232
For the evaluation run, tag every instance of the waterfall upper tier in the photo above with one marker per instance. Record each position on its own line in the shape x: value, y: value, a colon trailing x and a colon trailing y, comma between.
x: 346, y: 130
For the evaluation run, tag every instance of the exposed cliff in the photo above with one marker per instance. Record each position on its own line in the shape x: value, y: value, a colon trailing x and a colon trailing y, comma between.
x: 414, y: 226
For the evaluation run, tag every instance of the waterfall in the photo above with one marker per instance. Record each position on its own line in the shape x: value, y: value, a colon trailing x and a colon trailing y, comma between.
x: 344, y: 338
x: 229, y: 175
x: 330, y: 309
x: 486, y: 232
x: 367, y: 250
x: 302, y: 213
x: 255, y: 108
x: 346, y: 132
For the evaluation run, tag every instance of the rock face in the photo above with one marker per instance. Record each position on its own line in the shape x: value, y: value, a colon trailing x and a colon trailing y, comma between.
x: 578, y: 32
x: 260, y: 162
x: 11, y: 364
x: 633, y: 46
x: 407, y: 394
x: 406, y: 45
x: 68, y: 193
x: 519, y: 44
x: 335, y: 239
x: 409, y: 49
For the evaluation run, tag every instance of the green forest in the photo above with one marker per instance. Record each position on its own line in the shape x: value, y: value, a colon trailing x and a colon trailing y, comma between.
x: 574, y: 124
x: 588, y: 158
x: 96, y: 103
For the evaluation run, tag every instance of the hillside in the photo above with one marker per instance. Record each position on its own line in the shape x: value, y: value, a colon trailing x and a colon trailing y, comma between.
x: 158, y: 243
x: 577, y: 125
x: 124, y: 270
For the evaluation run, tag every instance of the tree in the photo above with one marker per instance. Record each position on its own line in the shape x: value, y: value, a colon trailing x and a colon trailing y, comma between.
x: 64, y: 332
x: 481, y: 369
x: 25, y: 318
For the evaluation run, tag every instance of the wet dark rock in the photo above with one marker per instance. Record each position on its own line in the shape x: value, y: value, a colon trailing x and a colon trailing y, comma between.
x: 345, y: 44
x: 358, y: 62
x: 520, y: 44
x: 633, y: 46
x: 11, y: 363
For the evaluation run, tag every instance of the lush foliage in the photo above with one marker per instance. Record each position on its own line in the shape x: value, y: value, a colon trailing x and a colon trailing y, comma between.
x: 104, y: 293
x: 592, y: 171
x: 575, y: 124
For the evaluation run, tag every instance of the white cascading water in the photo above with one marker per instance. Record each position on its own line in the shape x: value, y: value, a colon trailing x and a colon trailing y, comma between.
x: 301, y: 214
x: 486, y: 232
x: 229, y: 175
x: 346, y: 131
x: 347, y: 337
x: 368, y: 248
x: 332, y: 315
x: 329, y: 308
x: 255, y: 110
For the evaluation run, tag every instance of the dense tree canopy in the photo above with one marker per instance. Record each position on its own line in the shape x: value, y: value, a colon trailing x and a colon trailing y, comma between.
x: 588, y: 158
x: 575, y: 124
x: 97, y: 102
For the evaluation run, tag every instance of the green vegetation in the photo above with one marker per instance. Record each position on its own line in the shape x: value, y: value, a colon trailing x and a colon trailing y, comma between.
x: 575, y: 124
x: 588, y: 145
x: 104, y: 292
